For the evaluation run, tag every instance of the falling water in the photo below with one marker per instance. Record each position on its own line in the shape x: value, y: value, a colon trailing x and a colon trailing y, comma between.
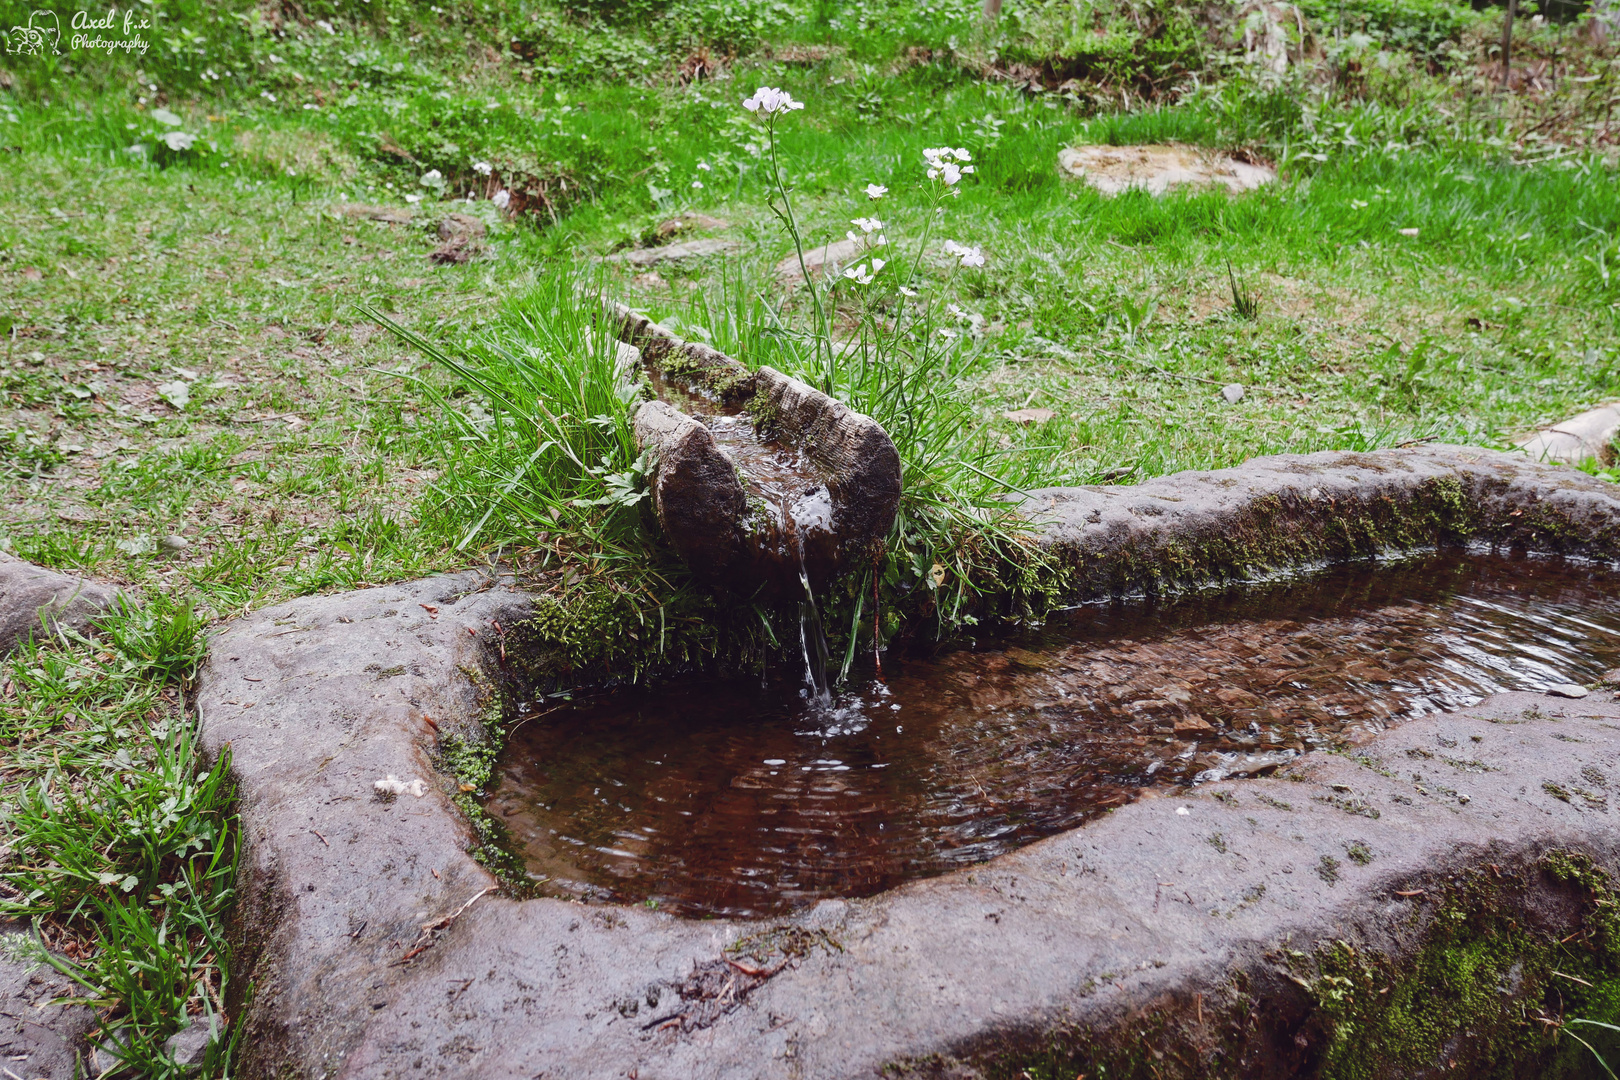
x: 812, y: 639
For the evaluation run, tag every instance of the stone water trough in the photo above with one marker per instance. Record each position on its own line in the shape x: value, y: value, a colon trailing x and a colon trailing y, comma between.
x: 1269, y: 927
x: 375, y: 945
x: 756, y: 476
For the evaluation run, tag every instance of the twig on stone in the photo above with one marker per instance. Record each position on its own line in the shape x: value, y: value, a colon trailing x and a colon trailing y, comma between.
x: 431, y: 931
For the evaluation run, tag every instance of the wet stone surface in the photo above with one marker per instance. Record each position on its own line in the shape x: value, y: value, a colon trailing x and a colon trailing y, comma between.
x: 739, y: 799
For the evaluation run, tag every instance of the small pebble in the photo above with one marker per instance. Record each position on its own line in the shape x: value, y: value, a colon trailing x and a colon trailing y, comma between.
x: 174, y: 542
x: 1567, y: 690
x: 1232, y: 392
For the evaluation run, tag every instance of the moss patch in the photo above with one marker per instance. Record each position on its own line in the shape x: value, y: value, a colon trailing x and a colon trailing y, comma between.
x: 1489, y: 974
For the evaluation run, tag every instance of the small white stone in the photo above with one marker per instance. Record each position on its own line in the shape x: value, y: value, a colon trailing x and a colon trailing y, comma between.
x: 1570, y: 690
x: 1232, y: 392
x: 1182, y: 810
x: 174, y: 542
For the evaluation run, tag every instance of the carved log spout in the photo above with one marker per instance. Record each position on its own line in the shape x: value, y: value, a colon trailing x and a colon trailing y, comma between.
x: 757, y: 477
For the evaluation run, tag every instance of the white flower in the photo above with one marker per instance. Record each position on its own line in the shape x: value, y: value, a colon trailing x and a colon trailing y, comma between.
x: 867, y: 224
x: 703, y: 165
x: 943, y: 164
x: 970, y: 256
x: 956, y: 311
x: 861, y: 275
x: 876, y: 191
x: 697, y: 183
x: 413, y: 198
x: 770, y: 101
x: 432, y: 177
x: 880, y: 241
x: 483, y: 168
x: 501, y: 199
x: 879, y: 264
x: 904, y: 291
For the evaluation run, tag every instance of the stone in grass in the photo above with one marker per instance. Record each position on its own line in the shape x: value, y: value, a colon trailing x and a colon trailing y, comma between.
x: 461, y: 238
x: 33, y: 599
x: 818, y: 259
x: 189, y: 1045
x: 41, y: 1035
x: 173, y: 544
x: 1233, y: 393
x: 686, y: 249
x: 688, y: 222
x: 1569, y: 690
x: 1157, y: 169
x: 1029, y: 416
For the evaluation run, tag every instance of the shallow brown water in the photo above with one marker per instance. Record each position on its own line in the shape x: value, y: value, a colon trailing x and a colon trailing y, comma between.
x: 733, y: 799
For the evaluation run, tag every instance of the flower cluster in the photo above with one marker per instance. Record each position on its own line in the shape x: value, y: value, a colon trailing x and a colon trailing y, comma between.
x: 868, y: 226
x: 947, y: 164
x: 769, y: 101
x: 970, y: 256
x: 864, y: 275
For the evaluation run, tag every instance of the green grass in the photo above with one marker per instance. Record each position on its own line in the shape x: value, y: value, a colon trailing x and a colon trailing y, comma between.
x: 122, y: 842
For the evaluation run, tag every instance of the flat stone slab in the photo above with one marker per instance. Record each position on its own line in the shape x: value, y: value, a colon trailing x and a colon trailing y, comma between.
x: 34, y: 599
x: 1580, y: 438
x: 1158, y: 169
x: 1295, y: 509
x: 39, y: 1038
x: 379, y: 947
x: 822, y: 259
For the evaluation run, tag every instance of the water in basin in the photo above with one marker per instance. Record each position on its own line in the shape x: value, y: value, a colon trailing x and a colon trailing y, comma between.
x: 742, y: 799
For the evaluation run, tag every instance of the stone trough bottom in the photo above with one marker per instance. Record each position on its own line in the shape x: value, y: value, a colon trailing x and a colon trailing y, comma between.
x: 1185, y: 934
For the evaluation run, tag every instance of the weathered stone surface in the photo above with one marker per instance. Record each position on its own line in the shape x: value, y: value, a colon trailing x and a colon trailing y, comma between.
x: 1157, y: 169
x: 1169, y: 916
x: 1295, y: 509
x: 1580, y: 438
x: 317, y: 700
x: 33, y: 598
x: 38, y: 1039
x: 799, y: 476
x: 848, y: 451
x: 699, y: 501
x: 817, y: 260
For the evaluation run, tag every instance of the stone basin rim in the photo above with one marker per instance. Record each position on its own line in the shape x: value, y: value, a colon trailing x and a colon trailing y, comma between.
x: 322, y: 925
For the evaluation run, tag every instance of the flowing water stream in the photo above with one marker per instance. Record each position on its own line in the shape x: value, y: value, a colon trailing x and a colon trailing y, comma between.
x: 732, y: 798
